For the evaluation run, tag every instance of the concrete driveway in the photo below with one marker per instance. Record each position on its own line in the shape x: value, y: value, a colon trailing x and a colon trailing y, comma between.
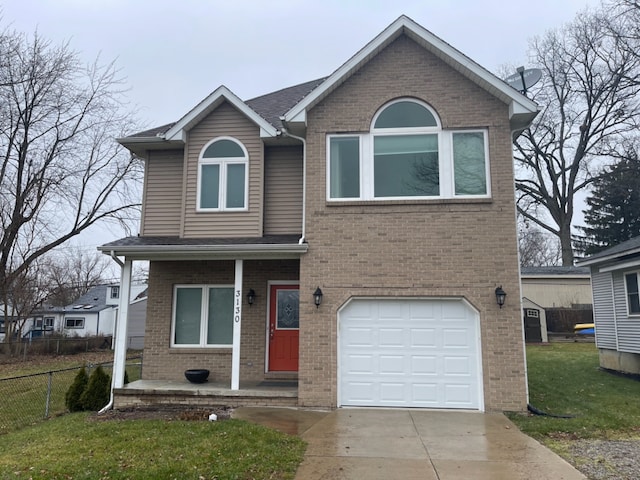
x: 413, y: 444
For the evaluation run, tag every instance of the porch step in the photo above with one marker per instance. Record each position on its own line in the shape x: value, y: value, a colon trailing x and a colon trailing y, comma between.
x: 291, y: 376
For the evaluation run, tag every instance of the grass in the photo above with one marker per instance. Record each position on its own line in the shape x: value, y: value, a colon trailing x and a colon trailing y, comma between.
x: 75, y: 447
x: 565, y: 378
x: 24, y: 400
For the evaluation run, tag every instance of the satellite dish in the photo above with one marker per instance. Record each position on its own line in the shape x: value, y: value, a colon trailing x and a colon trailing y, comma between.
x: 524, y: 79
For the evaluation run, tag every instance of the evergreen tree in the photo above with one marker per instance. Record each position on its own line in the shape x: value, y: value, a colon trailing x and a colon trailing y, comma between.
x: 77, y: 388
x: 97, y: 393
x: 613, y: 214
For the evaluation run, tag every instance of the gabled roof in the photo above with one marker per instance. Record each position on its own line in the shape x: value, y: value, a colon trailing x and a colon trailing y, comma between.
x: 206, y: 106
x: 624, y: 249
x: 522, y: 110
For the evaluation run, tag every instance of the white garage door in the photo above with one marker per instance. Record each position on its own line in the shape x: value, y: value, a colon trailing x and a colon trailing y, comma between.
x: 409, y: 353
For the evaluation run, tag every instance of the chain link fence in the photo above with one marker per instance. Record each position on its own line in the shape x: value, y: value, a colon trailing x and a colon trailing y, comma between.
x: 29, y: 399
x: 57, y: 345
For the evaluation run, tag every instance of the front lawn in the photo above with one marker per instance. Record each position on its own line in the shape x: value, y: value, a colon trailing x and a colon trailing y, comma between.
x: 565, y: 378
x: 76, y: 447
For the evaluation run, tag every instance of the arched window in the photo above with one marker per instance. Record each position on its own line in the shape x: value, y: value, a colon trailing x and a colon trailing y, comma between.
x: 407, y: 155
x: 405, y: 151
x: 222, y: 175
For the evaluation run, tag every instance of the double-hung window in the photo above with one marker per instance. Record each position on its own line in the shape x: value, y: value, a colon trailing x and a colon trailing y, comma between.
x: 202, y: 316
x: 222, y: 176
x: 633, y: 293
x: 407, y: 155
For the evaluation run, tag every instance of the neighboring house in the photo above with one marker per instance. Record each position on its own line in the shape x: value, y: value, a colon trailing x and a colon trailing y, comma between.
x: 616, y: 305
x: 137, y: 320
x: 349, y: 232
x: 557, y: 286
x: 94, y: 313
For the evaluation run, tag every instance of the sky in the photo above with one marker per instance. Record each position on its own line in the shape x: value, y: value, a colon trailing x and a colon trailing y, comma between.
x: 172, y: 54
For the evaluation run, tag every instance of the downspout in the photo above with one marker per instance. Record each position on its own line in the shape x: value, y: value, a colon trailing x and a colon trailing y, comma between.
x: 109, y: 405
x: 304, y: 178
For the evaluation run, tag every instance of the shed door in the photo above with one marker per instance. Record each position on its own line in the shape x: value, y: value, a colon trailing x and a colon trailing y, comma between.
x: 409, y: 353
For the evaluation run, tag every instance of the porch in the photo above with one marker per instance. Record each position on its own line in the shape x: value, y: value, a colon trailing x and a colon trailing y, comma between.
x: 156, y: 393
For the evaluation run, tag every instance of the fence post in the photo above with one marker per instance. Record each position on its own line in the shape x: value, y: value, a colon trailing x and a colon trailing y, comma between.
x: 58, y: 347
x: 46, y: 409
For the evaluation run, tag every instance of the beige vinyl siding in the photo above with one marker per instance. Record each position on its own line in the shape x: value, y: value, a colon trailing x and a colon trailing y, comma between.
x: 163, y: 193
x: 283, y: 191
x: 224, y: 121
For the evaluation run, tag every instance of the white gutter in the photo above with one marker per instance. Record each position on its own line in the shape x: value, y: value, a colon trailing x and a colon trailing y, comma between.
x: 304, y: 178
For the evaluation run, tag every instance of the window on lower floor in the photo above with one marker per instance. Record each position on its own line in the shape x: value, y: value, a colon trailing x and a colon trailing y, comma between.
x: 48, y: 322
x: 202, y: 316
x: 74, y: 323
x: 633, y: 294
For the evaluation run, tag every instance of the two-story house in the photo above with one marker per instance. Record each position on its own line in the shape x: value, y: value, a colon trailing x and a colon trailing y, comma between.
x: 350, y: 232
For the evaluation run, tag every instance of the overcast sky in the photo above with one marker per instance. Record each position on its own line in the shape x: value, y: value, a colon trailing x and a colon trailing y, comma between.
x: 173, y: 54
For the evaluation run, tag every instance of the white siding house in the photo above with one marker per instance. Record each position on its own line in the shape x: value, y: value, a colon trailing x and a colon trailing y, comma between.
x: 615, y: 280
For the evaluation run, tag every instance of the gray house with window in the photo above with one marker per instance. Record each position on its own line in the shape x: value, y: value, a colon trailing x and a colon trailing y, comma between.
x: 616, y: 305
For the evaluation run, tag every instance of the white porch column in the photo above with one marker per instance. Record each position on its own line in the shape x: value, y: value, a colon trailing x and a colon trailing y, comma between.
x: 120, y: 353
x: 237, y: 324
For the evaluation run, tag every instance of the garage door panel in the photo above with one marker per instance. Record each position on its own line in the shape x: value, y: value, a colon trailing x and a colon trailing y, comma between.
x: 392, y: 392
x: 359, y: 336
x: 424, y: 394
x: 423, y: 337
x: 409, y: 353
x: 457, y: 366
x: 391, y: 337
x: 424, y: 365
x: 392, y: 364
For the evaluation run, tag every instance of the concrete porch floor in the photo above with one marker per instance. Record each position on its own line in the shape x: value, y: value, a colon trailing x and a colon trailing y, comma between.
x: 413, y: 444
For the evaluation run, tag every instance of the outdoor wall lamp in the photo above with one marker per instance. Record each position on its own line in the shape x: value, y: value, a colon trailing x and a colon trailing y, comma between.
x: 317, y: 297
x: 251, y: 296
x: 500, y: 296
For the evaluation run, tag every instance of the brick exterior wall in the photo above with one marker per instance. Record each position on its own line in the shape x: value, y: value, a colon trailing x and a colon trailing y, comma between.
x: 459, y: 248
x: 164, y: 363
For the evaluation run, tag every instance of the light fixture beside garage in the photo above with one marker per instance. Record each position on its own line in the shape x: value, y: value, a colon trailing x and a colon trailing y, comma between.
x: 500, y: 296
x: 317, y: 297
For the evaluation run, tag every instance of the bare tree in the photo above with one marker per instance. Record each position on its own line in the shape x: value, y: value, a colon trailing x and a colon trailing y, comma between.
x: 590, y: 106
x: 72, y: 275
x: 60, y: 169
x: 537, y: 248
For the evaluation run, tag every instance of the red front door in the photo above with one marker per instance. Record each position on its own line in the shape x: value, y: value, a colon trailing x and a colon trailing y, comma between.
x: 283, y: 328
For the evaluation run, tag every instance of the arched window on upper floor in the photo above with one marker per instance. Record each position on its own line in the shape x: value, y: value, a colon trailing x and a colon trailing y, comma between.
x: 222, y: 175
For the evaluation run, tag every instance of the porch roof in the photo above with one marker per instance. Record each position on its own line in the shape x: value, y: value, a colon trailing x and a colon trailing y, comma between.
x: 176, y: 248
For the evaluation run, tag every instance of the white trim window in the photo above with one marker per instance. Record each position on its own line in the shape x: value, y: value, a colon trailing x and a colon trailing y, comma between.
x: 407, y: 155
x: 49, y: 322
x: 632, y: 292
x: 115, y: 292
x: 223, y: 176
x: 74, y: 322
x: 202, y: 316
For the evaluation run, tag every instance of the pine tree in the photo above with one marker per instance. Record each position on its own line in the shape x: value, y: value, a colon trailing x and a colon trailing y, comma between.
x: 77, y: 388
x: 613, y: 214
x: 96, y: 395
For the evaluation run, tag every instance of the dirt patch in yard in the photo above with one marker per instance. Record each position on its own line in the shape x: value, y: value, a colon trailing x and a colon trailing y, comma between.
x: 164, y: 413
